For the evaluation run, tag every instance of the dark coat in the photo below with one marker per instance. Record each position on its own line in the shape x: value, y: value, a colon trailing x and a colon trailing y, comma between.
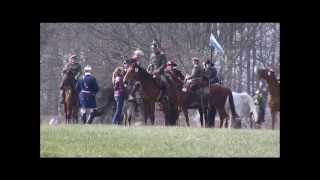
x: 87, y: 87
x: 197, y: 73
x: 158, y: 61
x: 212, y: 75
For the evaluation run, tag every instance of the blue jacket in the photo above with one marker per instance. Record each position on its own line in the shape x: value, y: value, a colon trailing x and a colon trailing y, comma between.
x: 87, y: 87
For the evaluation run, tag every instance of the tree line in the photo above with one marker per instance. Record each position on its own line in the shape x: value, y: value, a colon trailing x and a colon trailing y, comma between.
x: 103, y: 46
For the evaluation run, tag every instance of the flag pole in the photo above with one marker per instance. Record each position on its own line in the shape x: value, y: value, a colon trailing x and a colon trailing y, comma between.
x: 211, y: 54
x: 211, y: 48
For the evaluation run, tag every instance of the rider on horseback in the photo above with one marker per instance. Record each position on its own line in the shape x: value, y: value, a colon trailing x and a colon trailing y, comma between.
x: 210, y: 72
x: 156, y: 67
x: 172, y: 67
x: 196, y: 75
x: 75, y: 68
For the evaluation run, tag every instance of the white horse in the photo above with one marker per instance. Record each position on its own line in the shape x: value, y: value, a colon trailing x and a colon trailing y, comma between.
x: 245, y: 107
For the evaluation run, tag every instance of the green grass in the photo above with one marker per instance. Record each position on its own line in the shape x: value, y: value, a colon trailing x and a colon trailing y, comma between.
x: 111, y: 141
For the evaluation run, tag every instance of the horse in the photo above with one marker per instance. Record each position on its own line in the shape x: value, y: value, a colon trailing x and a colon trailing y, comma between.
x: 274, y: 91
x: 214, y: 98
x: 152, y: 95
x: 188, y: 100
x: 132, y: 103
x: 217, y: 98
x: 71, y: 100
x: 246, y: 108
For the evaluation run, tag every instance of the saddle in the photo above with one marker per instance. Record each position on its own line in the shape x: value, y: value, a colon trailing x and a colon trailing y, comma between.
x: 194, y: 85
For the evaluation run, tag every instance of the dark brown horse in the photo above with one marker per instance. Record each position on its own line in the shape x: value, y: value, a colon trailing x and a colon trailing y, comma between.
x: 215, y: 95
x: 71, y: 100
x: 187, y: 100
x: 274, y: 90
x: 151, y: 94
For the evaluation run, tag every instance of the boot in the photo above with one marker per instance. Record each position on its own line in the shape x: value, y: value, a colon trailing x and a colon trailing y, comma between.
x: 84, y: 118
x: 136, y: 107
x: 91, y: 116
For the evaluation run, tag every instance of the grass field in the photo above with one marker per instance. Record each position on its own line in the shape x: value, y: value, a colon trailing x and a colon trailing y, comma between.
x: 112, y: 141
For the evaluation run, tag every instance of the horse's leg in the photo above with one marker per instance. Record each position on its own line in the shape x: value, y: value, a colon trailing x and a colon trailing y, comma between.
x: 227, y: 125
x: 65, y: 112
x: 201, y: 116
x: 185, y: 112
x: 205, y: 113
x: 152, y: 110
x: 222, y: 118
x: 273, y: 116
x: 145, y: 113
x: 129, y: 117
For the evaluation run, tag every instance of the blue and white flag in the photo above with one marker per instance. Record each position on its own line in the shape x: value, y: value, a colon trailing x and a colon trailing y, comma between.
x: 213, y: 43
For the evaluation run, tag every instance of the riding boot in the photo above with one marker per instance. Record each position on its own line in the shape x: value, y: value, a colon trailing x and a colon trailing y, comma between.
x: 84, y: 118
x: 90, y: 119
x: 136, y: 107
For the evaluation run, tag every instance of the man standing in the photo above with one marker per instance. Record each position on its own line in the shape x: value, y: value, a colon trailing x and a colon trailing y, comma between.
x: 260, y: 101
x: 88, y: 88
x: 75, y: 68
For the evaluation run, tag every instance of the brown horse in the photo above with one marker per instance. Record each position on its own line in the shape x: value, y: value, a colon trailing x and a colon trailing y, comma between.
x: 186, y: 99
x: 215, y: 95
x: 217, y: 99
x: 274, y: 90
x: 71, y: 100
x: 151, y: 94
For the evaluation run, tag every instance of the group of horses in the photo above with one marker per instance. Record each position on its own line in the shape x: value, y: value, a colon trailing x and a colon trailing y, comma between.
x: 208, y: 99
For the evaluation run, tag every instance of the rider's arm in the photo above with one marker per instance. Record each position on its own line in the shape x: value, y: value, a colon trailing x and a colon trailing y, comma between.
x: 193, y: 73
x: 79, y: 72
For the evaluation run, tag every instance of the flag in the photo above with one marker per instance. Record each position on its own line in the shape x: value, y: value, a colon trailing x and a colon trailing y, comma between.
x: 213, y: 43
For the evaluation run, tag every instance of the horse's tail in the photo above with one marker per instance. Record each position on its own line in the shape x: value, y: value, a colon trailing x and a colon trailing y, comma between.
x: 232, y: 107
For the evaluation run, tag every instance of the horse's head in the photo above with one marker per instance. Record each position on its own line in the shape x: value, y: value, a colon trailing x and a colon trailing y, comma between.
x: 132, y: 72
x: 266, y: 74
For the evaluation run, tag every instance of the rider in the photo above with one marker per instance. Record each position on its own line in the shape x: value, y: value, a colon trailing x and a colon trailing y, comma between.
x: 210, y: 72
x: 196, y: 75
x: 172, y: 67
x: 158, y: 61
x: 87, y: 87
x: 75, y: 68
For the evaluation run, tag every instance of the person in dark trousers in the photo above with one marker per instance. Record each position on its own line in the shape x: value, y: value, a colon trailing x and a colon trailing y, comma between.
x: 87, y: 87
x: 118, y: 87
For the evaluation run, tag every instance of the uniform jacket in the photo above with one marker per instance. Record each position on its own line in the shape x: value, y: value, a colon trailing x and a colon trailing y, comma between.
x: 197, y: 73
x: 87, y: 87
x: 158, y: 61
